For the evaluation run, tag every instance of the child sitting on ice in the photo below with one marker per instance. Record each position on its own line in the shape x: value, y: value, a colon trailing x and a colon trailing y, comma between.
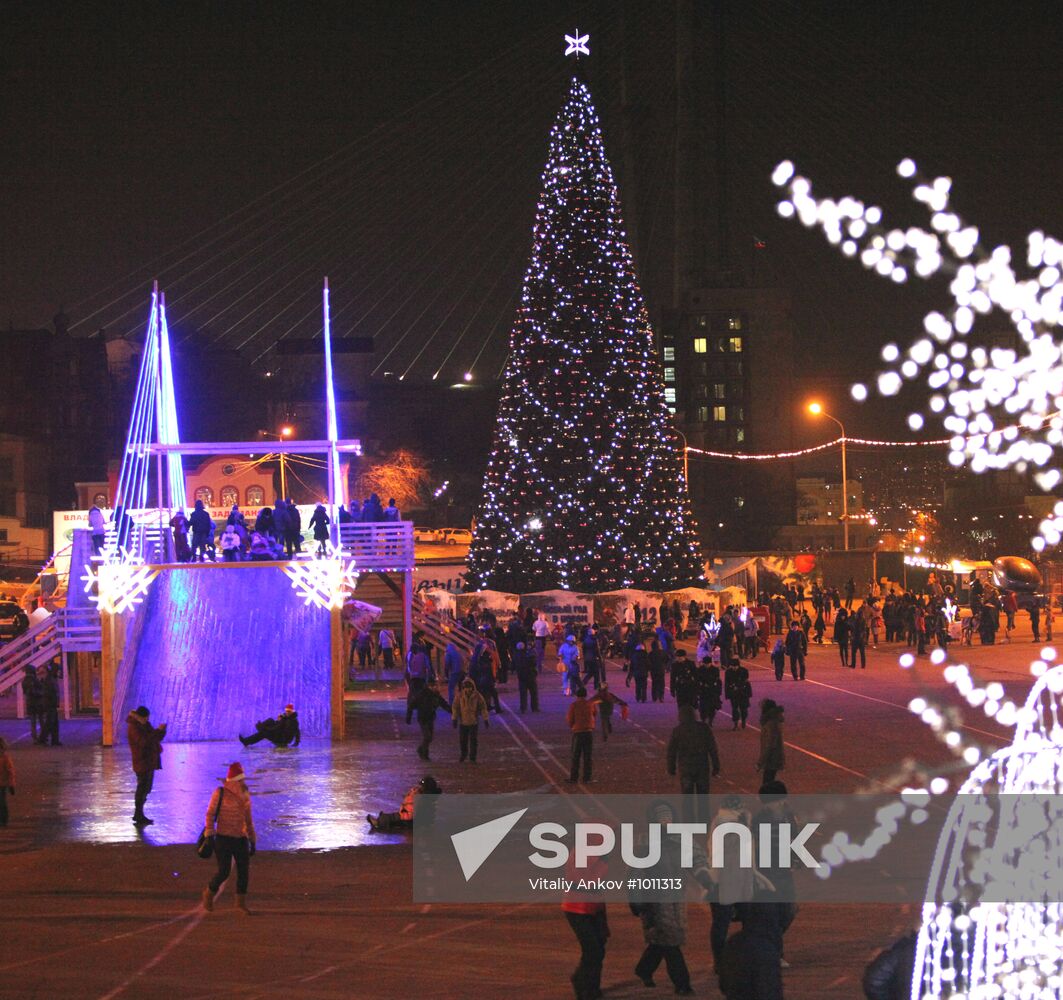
x: 411, y: 807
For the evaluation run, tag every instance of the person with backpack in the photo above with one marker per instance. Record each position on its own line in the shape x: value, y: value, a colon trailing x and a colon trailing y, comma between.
x: 230, y: 823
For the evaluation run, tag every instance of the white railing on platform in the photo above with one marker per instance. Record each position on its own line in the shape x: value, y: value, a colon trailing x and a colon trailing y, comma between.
x: 67, y: 630
x: 379, y: 545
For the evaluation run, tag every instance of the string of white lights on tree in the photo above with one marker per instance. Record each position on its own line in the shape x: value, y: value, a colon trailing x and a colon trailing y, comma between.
x: 1000, y: 403
x: 584, y: 486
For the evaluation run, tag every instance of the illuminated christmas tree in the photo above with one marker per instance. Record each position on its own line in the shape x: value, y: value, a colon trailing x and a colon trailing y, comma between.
x: 584, y: 487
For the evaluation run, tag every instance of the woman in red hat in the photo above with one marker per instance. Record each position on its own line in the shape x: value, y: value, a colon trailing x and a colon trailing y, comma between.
x: 229, y: 823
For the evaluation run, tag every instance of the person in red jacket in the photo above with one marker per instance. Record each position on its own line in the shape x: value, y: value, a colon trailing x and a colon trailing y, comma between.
x: 145, y: 747
x: 586, y: 916
x: 581, y: 718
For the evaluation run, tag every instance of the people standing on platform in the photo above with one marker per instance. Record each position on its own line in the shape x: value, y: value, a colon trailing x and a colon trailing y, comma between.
x: 33, y: 695
x: 202, y: 532
x: 453, y: 668
x: 425, y: 701
x: 344, y: 516
x: 580, y: 718
x: 371, y: 510
x: 181, y: 548
x: 466, y: 711
x: 772, y: 757
x: 50, y: 704
x: 320, y: 521
x: 280, y: 521
x: 7, y: 779
x: 98, y: 529
x: 604, y: 700
x: 145, y: 748
x: 230, y: 543
x: 230, y: 823
x: 282, y: 731
x: 392, y: 512
x: 527, y: 677
x: 293, y: 530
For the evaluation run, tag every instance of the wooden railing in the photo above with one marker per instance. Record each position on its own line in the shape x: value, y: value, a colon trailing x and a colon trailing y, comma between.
x: 440, y: 629
x: 379, y: 545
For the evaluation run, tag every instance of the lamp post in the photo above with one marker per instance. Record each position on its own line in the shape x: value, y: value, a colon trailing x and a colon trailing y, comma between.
x: 686, y: 461
x: 816, y: 409
x: 285, y: 432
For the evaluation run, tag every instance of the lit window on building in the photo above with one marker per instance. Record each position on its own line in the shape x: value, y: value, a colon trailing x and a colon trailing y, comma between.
x: 701, y: 345
x: 206, y: 494
x: 256, y: 496
x: 734, y: 345
x: 669, y: 394
x: 229, y: 495
x: 734, y: 323
x: 719, y: 413
x: 669, y: 374
x: 738, y: 435
x: 669, y: 354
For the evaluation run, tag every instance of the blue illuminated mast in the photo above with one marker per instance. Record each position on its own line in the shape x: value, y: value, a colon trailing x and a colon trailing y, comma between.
x: 335, y: 478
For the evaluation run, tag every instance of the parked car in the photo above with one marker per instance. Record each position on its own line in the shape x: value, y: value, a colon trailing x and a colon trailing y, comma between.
x: 13, y: 620
x: 457, y: 536
x: 428, y: 535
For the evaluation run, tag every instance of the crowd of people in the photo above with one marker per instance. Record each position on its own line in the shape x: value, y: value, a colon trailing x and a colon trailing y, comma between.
x: 276, y: 533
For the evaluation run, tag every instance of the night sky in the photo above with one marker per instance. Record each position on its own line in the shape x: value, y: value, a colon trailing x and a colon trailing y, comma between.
x: 402, y: 144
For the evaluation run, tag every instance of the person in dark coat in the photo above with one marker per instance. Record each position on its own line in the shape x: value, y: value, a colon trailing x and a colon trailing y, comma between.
x: 425, y: 701
x: 281, y: 520
x: 888, y: 975
x: 858, y: 640
x: 372, y: 510
x: 691, y: 752
x: 282, y: 731
x: 739, y: 692
x: 527, y: 671
x: 710, y: 690
x: 264, y: 521
x: 319, y: 521
x: 640, y: 669
x: 145, y: 748
x: 202, y: 531
x: 841, y: 635
x: 50, y: 705
x: 682, y: 682
x: 293, y: 530
x: 33, y: 694
x: 749, y: 965
x: 796, y: 644
x: 658, y: 666
x: 772, y: 757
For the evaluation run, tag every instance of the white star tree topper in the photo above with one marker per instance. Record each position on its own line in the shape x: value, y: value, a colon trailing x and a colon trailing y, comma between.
x: 577, y: 44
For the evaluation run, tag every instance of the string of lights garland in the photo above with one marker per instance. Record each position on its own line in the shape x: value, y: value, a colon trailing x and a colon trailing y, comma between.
x: 581, y: 485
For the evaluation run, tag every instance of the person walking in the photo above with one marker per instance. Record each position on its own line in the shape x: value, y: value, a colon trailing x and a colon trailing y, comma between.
x: 778, y: 658
x: 664, y: 921
x: 230, y: 823
x: 7, y: 780
x: 603, y: 701
x: 385, y: 642
x: 640, y: 669
x: 453, y: 668
x: 796, y: 645
x: 858, y: 638
x: 739, y: 692
x: 418, y: 668
x: 466, y: 711
x: 523, y: 662
x: 568, y: 654
x: 841, y: 635
x: 425, y: 701
x: 319, y: 522
x: 658, y: 660
x: 709, y: 690
x: 33, y: 695
x: 750, y: 961
x: 692, y: 752
x: 145, y: 748
x: 586, y: 915
x: 772, y: 747
x: 293, y: 530
x: 580, y: 718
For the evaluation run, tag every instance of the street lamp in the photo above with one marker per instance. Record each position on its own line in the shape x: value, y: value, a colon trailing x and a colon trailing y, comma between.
x: 816, y: 409
x: 686, y: 463
x: 286, y: 431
